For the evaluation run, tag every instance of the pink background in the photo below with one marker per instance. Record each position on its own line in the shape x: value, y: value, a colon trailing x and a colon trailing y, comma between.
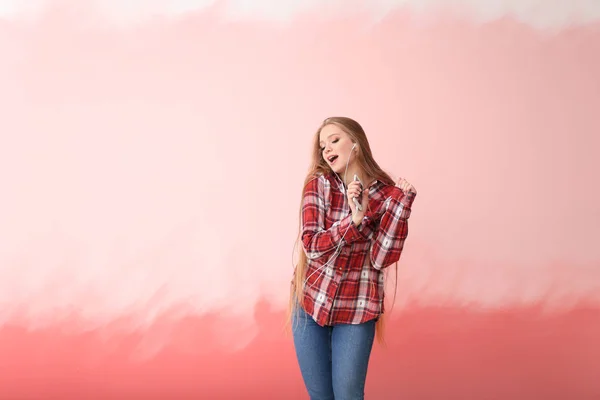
x: 151, y: 166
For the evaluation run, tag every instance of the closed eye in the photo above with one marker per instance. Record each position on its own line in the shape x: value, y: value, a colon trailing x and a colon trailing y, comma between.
x: 334, y: 141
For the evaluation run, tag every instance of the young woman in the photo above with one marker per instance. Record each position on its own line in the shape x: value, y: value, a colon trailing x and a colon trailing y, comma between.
x: 349, y: 234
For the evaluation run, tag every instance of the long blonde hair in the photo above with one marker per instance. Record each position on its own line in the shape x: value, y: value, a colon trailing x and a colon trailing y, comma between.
x: 318, y: 166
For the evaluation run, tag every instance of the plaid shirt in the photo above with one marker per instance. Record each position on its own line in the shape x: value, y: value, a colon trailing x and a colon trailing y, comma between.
x: 344, y: 278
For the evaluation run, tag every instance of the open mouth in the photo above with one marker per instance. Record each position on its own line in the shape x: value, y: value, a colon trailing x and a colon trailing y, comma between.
x: 332, y: 159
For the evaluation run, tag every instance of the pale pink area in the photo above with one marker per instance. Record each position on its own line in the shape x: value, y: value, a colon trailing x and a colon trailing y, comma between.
x: 134, y: 160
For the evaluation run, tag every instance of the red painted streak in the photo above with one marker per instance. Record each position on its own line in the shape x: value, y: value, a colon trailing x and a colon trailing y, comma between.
x: 431, y: 354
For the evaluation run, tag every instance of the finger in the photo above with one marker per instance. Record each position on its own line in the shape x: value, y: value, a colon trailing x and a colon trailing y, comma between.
x: 354, y: 194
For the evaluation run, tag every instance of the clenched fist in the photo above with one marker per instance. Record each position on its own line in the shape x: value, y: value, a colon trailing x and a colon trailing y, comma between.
x: 406, y: 186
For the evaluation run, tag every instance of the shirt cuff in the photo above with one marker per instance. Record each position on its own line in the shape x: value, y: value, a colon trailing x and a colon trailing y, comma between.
x: 408, y: 199
x: 348, y: 231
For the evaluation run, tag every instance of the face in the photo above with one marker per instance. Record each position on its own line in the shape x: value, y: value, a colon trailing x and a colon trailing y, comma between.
x: 336, y: 147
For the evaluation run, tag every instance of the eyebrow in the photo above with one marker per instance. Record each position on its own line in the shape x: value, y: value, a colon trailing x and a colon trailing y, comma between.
x: 330, y: 135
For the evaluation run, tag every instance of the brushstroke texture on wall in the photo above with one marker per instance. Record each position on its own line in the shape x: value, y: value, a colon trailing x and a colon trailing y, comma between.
x: 151, y: 166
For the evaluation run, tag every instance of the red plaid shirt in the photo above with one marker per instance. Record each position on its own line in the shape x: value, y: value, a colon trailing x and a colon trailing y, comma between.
x: 349, y: 288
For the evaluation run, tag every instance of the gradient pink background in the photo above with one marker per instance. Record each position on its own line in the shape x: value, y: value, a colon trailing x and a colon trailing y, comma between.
x: 137, y: 147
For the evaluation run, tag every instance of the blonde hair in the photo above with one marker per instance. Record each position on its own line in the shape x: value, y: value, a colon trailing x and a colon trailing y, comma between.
x: 319, y: 166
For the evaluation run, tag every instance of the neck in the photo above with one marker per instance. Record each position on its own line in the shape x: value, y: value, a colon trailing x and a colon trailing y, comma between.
x: 353, y: 169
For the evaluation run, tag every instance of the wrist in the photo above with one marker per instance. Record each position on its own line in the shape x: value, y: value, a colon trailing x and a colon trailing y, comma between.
x: 357, y: 218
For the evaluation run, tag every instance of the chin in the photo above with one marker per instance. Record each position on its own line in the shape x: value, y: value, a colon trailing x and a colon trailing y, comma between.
x: 337, y: 170
x: 341, y: 168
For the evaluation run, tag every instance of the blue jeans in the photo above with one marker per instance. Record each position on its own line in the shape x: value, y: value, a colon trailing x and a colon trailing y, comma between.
x: 333, y: 359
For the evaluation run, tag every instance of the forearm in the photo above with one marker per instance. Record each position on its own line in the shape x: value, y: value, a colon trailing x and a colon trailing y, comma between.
x: 318, y: 242
x: 392, y: 231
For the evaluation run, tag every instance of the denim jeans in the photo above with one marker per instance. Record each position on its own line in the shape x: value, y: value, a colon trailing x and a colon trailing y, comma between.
x: 333, y: 359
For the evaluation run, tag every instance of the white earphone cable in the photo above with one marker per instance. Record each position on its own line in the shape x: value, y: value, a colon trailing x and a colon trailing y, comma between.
x: 337, y: 250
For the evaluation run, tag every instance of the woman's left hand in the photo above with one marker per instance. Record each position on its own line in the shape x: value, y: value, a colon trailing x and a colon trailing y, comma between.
x: 406, y: 186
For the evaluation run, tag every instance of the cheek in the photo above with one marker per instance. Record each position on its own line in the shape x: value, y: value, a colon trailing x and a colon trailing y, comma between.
x: 344, y: 151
